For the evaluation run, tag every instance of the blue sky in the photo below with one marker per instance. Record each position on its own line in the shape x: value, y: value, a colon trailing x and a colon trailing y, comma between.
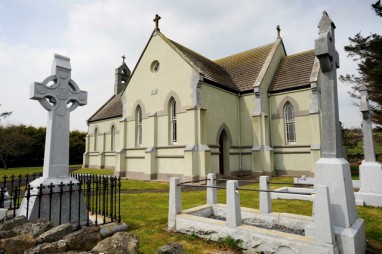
x: 95, y: 34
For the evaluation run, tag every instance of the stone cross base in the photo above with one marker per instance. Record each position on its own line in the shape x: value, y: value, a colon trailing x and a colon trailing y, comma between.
x: 370, y: 193
x: 73, y: 207
x: 349, y: 229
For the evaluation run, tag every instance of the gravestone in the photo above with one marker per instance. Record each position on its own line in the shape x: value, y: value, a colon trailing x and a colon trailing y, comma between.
x: 59, y: 95
x: 332, y: 170
x: 370, y: 171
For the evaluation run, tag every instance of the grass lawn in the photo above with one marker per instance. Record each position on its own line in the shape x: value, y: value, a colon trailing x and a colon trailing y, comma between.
x: 146, y: 215
x: 145, y: 212
x: 30, y: 170
x: 18, y: 171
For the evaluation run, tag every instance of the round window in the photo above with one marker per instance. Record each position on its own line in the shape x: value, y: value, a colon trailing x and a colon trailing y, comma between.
x: 155, y: 66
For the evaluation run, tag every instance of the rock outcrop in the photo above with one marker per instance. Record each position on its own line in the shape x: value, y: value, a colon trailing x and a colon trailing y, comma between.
x: 18, y: 236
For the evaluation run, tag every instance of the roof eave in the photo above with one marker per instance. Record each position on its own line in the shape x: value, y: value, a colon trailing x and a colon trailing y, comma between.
x: 293, y: 88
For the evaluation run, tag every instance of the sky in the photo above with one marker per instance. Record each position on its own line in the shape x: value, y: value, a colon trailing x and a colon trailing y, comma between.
x: 96, y: 33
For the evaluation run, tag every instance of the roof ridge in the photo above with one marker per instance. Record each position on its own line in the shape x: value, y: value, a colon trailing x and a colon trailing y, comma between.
x: 301, y: 53
x: 243, y: 52
x: 294, y: 72
x: 173, y: 45
x: 202, y: 64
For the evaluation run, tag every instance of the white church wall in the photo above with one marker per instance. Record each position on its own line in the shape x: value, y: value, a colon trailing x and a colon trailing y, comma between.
x: 221, y: 108
x: 292, y: 158
x: 246, y: 109
x: 152, y: 87
x: 102, y: 155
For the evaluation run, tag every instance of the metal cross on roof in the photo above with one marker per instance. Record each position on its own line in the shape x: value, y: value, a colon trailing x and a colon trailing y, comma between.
x: 278, y: 31
x: 156, y: 20
x: 123, y: 58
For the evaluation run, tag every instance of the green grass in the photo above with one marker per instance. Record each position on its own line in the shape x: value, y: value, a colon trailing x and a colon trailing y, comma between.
x: 22, y: 171
x: 146, y: 215
x: 146, y: 212
x: 28, y: 170
x: 94, y: 171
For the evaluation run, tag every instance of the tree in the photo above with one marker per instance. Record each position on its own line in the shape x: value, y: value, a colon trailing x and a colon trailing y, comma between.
x: 76, y: 146
x: 367, y: 51
x: 377, y: 8
x: 13, y: 143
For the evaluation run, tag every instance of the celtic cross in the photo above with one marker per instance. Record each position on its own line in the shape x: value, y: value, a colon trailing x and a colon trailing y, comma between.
x: 367, y: 128
x: 59, y: 95
x: 329, y: 62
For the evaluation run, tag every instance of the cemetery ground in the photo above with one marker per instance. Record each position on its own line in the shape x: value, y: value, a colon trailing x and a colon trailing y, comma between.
x: 144, y: 207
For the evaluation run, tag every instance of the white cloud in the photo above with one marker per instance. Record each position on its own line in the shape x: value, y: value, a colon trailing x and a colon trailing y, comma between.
x: 95, y: 34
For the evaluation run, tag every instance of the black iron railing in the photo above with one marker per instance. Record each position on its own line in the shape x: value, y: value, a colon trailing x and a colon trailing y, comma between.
x: 100, y: 193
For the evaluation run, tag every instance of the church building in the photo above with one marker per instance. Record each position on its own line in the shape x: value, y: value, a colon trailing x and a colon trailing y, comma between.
x: 178, y: 113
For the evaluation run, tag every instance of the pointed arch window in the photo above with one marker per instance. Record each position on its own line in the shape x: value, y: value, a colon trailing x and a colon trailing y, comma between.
x: 138, y: 121
x: 290, y: 129
x: 95, y: 139
x: 112, y: 138
x: 173, y: 122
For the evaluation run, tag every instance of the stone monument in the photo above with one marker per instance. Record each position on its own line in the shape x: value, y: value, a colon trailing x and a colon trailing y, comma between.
x: 59, y: 95
x: 370, y: 171
x: 332, y: 170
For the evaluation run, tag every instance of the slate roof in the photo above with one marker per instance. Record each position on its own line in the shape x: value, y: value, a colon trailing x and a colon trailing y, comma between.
x: 245, y: 67
x: 237, y: 72
x: 205, y: 66
x: 112, y: 108
x: 294, y: 71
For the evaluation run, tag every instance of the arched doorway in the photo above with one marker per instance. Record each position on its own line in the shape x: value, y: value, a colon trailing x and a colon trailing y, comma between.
x: 223, y: 152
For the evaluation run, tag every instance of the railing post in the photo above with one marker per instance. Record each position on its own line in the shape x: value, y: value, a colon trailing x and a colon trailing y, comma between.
x: 2, y: 196
x: 233, y: 217
x: 39, y: 195
x: 28, y: 196
x: 119, y: 199
x: 20, y: 179
x: 88, y: 185
x: 50, y: 186
x: 16, y: 194
x: 5, y: 181
x: 70, y: 184
x: 212, y: 195
x: 12, y: 181
x: 175, y: 202
x: 322, y: 216
x: 96, y: 201
x: 79, y: 185
x: 61, y: 186
x: 265, y: 196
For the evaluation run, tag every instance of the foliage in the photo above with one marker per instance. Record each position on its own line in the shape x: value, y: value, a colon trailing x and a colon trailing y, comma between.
x: 230, y: 242
x: 351, y: 137
x: 367, y: 51
x: 13, y: 143
x: 377, y: 8
x: 77, y: 146
x: 22, y: 145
